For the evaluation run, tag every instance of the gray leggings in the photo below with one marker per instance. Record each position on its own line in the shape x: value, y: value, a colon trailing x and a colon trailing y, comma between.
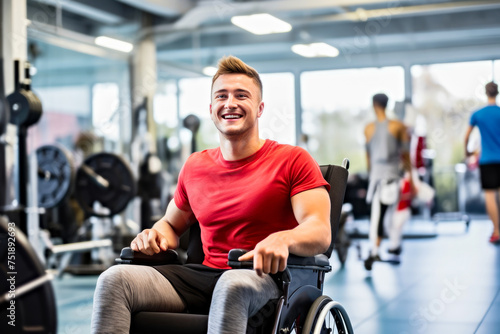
x: 124, y: 289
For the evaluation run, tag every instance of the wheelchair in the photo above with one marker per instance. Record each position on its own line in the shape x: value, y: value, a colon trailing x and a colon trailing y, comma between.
x: 302, y: 307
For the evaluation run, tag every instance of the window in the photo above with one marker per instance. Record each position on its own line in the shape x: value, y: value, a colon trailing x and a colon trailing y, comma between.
x: 336, y: 106
x: 66, y: 112
x: 446, y: 95
x: 278, y: 120
x: 105, y: 111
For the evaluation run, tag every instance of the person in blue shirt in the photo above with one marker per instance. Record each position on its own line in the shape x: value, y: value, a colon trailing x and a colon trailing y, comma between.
x: 487, y: 120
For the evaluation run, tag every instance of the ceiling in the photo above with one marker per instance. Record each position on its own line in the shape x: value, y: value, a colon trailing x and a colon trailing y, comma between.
x: 192, y: 34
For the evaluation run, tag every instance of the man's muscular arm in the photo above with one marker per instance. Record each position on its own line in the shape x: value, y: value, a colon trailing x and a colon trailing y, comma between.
x: 165, y: 232
x: 312, y: 236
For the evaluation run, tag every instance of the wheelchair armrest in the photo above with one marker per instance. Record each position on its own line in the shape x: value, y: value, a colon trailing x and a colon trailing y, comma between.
x: 320, y: 260
x: 233, y: 262
x: 129, y: 256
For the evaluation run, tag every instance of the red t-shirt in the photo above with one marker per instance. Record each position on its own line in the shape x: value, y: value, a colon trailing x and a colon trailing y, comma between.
x: 239, y: 203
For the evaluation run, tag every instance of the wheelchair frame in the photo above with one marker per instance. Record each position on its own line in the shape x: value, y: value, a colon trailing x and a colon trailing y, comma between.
x: 301, y: 307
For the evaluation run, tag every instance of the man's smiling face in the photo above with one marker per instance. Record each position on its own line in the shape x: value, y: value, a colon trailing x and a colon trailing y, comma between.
x: 236, y: 104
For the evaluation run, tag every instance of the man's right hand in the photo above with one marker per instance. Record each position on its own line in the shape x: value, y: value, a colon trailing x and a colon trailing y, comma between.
x: 149, y: 242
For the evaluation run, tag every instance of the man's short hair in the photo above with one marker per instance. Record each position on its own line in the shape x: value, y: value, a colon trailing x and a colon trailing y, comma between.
x: 231, y: 64
x: 491, y: 89
x: 380, y: 100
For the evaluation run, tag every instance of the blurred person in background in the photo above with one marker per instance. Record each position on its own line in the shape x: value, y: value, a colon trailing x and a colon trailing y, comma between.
x: 387, y: 145
x: 487, y: 119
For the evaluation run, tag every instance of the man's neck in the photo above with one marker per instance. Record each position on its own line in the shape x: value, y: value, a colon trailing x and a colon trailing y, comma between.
x: 239, y: 148
x: 492, y: 101
x: 380, y: 114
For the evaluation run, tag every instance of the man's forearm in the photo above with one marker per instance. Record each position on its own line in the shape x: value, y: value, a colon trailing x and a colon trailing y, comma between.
x: 168, y: 232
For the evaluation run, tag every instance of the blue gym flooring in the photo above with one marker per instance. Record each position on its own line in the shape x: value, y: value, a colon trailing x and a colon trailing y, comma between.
x: 446, y: 283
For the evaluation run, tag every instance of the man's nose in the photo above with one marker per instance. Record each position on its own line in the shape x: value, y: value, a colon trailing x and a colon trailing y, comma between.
x: 230, y: 102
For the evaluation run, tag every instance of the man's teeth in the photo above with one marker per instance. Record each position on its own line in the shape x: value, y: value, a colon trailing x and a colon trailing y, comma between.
x: 231, y: 116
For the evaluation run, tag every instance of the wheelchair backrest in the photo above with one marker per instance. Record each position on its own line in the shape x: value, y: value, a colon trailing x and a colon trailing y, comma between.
x: 335, y: 175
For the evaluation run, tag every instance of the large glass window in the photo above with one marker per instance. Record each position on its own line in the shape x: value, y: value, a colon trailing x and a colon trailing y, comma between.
x: 105, y: 102
x: 194, y: 98
x: 446, y: 95
x: 278, y: 120
x: 496, y: 71
x: 83, y: 96
x: 66, y: 112
x: 337, y: 105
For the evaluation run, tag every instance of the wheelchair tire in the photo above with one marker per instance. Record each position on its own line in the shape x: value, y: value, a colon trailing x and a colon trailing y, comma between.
x: 318, y: 320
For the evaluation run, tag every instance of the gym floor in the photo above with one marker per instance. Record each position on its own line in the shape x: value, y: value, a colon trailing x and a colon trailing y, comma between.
x: 449, y: 283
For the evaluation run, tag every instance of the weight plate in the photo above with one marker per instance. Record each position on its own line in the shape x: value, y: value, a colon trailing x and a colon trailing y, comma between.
x: 35, y: 109
x: 35, y: 309
x: 55, y: 175
x: 104, y: 178
x: 19, y: 107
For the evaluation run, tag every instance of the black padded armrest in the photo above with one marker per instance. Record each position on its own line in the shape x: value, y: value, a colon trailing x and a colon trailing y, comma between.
x: 233, y: 256
x: 320, y: 260
x: 317, y: 260
x: 128, y: 256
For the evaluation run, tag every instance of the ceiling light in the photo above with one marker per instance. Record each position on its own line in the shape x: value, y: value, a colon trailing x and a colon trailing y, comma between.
x: 315, y: 50
x: 209, y: 71
x: 261, y: 24
x: 114, y: 44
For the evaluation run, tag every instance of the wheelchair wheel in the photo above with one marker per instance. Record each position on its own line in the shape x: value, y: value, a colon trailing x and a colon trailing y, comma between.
x: 327, y: 316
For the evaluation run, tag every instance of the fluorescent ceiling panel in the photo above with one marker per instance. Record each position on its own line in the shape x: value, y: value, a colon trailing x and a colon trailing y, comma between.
x: 261, y: 24
x: 114, y: 44
x: 315, y: 50
x: 210, y: 71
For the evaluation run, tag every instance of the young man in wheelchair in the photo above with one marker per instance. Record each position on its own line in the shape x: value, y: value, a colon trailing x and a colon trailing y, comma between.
x: 249, y: 193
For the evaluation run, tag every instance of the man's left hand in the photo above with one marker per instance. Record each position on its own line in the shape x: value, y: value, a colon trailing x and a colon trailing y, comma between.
x: 270, y: 255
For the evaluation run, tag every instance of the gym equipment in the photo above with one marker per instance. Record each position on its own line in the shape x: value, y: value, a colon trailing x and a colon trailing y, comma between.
x: 460, y: 172
x: 301, y: 304
x: 55, y: 175
x: 25, y: 111
x: 4, y: 105
x: 25, y: 106
x: 106, y: 179
x: 4, y: 120
x: 26, y: 294
x: 104, y: 186
x: 192, y: 123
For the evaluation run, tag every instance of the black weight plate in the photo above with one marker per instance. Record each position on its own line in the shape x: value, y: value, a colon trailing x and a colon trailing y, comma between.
x: 35, y: 311
x: 19, y: 107
x: 35, y: 109
x: 55, y: 175
x: 114, y: 196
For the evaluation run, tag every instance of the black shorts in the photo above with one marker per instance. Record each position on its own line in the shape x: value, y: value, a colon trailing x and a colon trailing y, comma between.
x: 490, y: 176
x: 194, y: 283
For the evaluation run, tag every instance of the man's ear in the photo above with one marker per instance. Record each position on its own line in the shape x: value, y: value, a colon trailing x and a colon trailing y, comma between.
x: 210, y: 108
x: 261, y: 109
